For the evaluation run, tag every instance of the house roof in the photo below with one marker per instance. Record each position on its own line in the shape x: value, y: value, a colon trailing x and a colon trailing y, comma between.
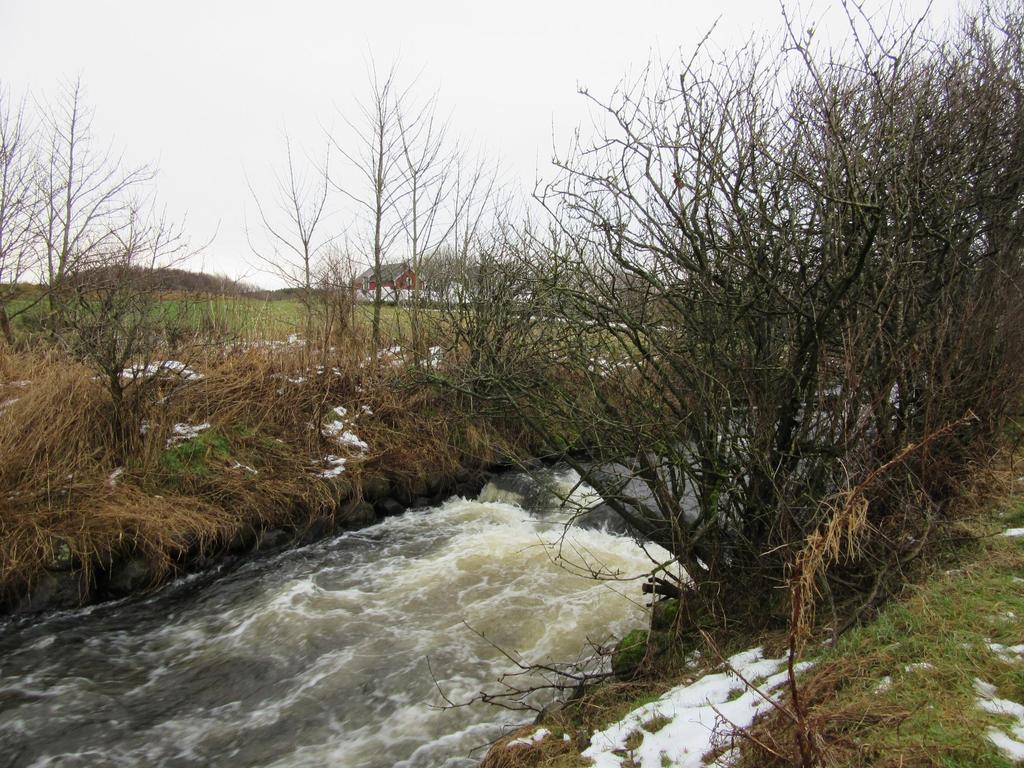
x: 389, y: 271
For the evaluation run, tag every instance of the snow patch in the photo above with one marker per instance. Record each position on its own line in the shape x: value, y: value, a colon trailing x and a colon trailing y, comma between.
x: 696, y: 714
x: 353, y: 440
x: 1008, y: 653
x: 184, y: 432
x: 1013, y: 532
x: 1011, y: 745
x: 533, y: 738
x: 392, y: 355
x: 338, y: 430
x: 113, y: 477
x: 336, y: 465
x: 158, y: 367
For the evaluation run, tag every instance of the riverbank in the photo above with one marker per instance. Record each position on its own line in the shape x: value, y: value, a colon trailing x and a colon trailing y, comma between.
x: 933, y: 679
x: 233, y: 452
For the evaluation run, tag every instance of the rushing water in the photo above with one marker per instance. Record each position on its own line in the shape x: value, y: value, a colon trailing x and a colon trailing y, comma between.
x: 319, y: 656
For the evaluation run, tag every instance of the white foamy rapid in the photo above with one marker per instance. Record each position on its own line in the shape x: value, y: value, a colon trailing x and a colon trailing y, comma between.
x: 327, y: 655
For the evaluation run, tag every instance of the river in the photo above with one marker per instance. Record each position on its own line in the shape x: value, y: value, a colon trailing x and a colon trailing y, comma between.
x: 319, y: 656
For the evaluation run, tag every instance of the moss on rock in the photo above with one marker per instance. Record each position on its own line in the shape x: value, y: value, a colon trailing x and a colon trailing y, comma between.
x: 629, y: 654
x: 663, y: 615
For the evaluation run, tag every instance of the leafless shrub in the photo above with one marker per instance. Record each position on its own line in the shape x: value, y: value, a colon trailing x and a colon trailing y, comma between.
x: 772, y: 274
x: 293, y: 230
x: 19, y: 206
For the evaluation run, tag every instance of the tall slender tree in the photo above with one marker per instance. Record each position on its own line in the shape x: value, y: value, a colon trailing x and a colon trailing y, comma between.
x: 19, y: 204
x: 293, y: 228
x: 86, y: 196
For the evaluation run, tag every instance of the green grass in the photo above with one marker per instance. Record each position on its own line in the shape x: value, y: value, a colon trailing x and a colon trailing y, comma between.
x: 241, y: 316
x: 877, y: 704
x: 193, y: 458
x: 236, y: 316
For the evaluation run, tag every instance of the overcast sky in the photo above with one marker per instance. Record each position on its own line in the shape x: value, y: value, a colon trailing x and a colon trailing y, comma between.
x: 204, y: 89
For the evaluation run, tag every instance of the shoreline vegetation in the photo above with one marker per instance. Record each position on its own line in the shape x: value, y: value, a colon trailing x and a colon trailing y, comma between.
x: 932, y: 679
x: 239, y: 451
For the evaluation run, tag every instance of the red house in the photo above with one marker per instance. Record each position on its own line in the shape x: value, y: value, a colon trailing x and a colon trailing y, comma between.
x: 399, y: 276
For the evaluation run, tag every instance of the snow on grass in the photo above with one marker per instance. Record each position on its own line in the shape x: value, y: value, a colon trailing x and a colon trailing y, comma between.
x: 339, y: 431
x: 353, y: 440
x: 1011, y: 745
x: 1008, y: 653
x: 113, y: 477
x: 692, y: 718
x: 533, y: 738
x: 604, y: 367
x: 184, y: 432
x: 336, y: 465
x: 391, y: 355
x: 158, y: 367
x: 245, y: 467
x: 8, y: 403
x: 321, y: 371
x: 1013, y: 532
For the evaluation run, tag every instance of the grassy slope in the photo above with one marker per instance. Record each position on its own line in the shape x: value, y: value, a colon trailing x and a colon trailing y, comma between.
x: 873, y: 702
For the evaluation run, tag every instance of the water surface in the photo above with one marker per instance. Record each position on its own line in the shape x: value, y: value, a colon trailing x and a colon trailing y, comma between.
x: 318, y: 656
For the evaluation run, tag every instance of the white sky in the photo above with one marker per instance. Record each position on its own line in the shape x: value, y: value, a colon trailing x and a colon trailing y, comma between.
x: 204, y: 89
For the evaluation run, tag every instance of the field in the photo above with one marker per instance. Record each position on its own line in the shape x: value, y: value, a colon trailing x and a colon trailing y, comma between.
x: 240, y: 316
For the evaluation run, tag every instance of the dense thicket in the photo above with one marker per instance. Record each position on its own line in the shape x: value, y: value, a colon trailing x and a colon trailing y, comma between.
x: 782, y: 300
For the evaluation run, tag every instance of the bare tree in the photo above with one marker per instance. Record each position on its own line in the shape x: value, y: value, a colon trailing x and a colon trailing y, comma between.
x: 295, y: 246
x: 427, y: 168
x: 85, y: 196
x: 19, y: 205
x: 380, y: 185
x: 115, y: 317
x: 478, y: 204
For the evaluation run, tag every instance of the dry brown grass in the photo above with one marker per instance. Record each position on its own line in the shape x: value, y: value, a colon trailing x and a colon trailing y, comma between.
x: 552, y: 751
x: 58, y: 451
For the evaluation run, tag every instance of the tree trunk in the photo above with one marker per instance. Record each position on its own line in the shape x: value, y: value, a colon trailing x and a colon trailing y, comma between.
x: 5, y: 327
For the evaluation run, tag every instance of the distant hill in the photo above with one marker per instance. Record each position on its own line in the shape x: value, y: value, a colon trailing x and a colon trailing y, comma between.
x: 174, y: 280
